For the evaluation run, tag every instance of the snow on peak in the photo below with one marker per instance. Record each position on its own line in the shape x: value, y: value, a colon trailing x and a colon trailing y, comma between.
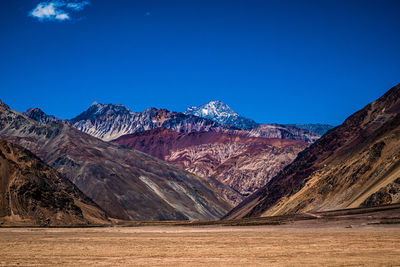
x: 221, y: 113
x: 212, y: 109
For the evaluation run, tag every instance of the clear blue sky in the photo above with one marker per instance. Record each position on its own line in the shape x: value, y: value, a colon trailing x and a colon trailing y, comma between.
x: 272, y: 61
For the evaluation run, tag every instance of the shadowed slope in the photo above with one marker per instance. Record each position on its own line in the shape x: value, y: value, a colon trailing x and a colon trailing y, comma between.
x: 32, y: 193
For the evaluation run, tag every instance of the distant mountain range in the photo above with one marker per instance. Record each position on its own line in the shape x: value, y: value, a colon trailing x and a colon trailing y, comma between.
x: 356, y: 164
x: 230, y: 158
x: 229, y: 150
x: 110, y: 121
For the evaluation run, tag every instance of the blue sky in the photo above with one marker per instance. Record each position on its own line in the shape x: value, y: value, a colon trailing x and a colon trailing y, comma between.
x: 273, y: 61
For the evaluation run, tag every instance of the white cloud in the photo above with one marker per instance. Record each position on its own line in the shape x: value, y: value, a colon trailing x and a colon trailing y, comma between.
x: 55, y: 9
x: 77, y: 5
x: 62, y: 16
x: 48, y: 11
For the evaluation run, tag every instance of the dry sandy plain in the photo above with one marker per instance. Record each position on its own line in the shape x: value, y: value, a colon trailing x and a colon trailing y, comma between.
x: 202, y: 245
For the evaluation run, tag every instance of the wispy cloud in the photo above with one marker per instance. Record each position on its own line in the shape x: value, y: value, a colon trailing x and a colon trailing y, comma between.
x: 57, y: 9
x: 77, y: 5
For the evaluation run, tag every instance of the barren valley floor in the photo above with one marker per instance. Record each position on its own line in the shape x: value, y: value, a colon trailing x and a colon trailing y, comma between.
x: 333, y: 245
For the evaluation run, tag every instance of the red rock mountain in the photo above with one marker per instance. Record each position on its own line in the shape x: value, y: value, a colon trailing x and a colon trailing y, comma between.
x: 242, y: 163
x: 357, y: 164
x: 33, y: 193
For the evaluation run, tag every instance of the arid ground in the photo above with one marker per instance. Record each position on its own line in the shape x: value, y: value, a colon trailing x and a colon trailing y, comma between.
x: 333, y: 245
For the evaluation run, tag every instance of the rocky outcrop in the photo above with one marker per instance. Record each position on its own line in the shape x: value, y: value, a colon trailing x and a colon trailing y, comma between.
x: 33, y: 193
x: 126, y: 183
x: 385, y: 195
x: 38, y: 115
x: 356, y: 164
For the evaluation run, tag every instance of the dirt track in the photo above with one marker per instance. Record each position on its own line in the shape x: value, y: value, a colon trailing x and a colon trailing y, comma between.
x: 210, y: 246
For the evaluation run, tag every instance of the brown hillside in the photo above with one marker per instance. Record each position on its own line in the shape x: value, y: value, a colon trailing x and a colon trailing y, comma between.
x: 32, y: 193
x: 357, y: 164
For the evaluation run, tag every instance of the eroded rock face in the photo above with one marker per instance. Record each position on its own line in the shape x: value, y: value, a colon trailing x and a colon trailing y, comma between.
x: 127, y: 184
x: 244, y: 164
x: 355, y: 164
x: 33, y: 193
x: 38, y: 115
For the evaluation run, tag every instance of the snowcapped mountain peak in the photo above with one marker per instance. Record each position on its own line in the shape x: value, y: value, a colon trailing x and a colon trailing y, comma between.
x: 221, y: 113
x: 218, y: 103
x: 215, y: 108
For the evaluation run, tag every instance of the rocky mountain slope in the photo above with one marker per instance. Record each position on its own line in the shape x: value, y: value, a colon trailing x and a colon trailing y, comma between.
x: 110, y: 121
x: 38, y: 115
x: 282, y: 132
x: 126, y: 183
x: 32, y: 193
x: 318, y: 128
x: 242, y: 163
x: 357, y: 164
x: 222, y: 114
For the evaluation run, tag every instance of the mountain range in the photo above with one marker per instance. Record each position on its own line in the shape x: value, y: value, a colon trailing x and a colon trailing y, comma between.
x: 127, y: 184
x: 166, y: 165
x: 110, y: 121
x: 235, y: 161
